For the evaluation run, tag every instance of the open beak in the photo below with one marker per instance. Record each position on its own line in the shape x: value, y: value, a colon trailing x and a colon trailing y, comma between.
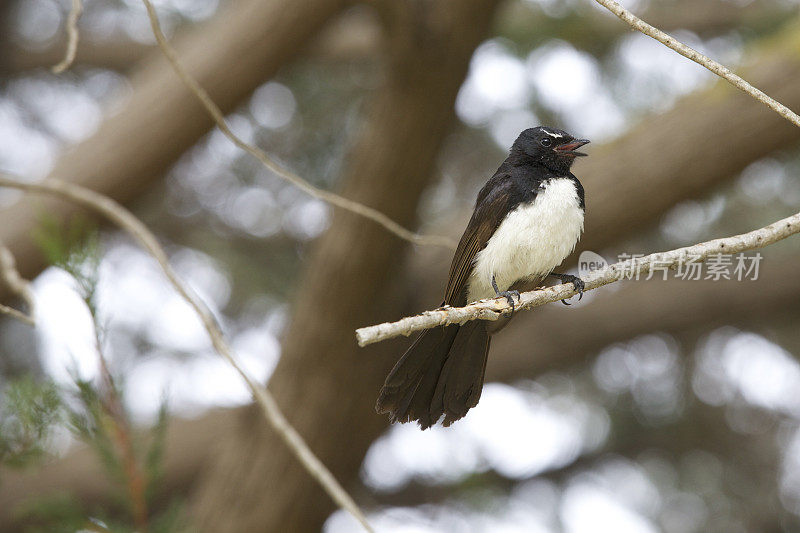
x: 571, y: 147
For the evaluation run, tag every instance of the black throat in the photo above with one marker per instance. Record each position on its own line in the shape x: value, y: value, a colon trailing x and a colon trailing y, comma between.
x: 531, y: 173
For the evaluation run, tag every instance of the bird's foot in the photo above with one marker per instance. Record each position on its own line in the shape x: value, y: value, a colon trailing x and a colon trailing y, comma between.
x: 576, y: 282
x: 508, y: 295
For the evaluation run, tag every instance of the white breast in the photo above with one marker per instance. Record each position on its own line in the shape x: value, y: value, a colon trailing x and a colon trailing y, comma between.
x: 531, y: 241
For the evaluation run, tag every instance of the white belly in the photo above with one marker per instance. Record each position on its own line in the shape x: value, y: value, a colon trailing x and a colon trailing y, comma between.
x: 531, y: 241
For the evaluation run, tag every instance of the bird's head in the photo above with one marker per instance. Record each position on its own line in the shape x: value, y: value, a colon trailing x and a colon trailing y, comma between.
x: 556, y: 149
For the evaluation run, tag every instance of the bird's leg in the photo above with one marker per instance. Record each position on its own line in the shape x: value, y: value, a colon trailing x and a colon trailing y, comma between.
x: 575, y: 280
x: 509, y: 295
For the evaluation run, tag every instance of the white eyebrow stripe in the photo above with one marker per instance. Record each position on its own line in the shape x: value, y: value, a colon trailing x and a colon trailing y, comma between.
x: 551, y: 134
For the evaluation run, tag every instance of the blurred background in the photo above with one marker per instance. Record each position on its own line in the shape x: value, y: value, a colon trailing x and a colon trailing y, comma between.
x: 651, y: 406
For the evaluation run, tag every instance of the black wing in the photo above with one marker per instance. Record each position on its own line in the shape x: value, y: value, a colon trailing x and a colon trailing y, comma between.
x: 495, y: 200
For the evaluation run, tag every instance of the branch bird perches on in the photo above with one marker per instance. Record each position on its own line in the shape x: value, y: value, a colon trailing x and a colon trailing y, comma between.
x: 493, y: 309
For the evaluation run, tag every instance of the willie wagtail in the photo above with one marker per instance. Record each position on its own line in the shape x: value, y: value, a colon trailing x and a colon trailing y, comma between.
x: 527, y: 219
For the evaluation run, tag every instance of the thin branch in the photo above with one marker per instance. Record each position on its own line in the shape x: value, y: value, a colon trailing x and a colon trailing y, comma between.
x: 18, y: 285
x: 19, y: 315
x: 72, y: 36
x: 701, y: 59
x: 494, y: 308
x: 123, y: 218
x: 321, y: 194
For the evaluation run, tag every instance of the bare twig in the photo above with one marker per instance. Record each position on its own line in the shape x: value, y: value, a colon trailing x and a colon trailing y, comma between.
x: 701, y: 59
x: 72, y: 37
x: 321, y: 194
x: 18, y: 285
x: 123, y: 218
x: 19, y: 315
x: 494, y: 308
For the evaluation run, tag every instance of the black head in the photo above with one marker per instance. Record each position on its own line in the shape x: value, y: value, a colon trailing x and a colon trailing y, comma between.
x: 556, y: 149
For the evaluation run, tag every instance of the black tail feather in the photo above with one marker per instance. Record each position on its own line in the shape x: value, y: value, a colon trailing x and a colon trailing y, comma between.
x: 440, y: 374
x: 461, y: 379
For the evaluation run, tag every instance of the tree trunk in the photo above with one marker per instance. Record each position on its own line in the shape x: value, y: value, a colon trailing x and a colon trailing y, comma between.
x: 324, y: 383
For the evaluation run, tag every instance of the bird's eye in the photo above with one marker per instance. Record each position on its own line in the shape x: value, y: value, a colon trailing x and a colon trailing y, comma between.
x: 546, y: 142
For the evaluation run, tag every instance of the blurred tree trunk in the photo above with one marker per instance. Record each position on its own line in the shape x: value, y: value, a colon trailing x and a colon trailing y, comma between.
x: 324, y: 383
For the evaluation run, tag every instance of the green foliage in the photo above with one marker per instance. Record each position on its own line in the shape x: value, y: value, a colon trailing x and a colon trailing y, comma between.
x: 92, y: 425
x: 75, y: 248
x: 63, y: 513
x: 52, y: 514
x: 29, y: 411
x: 92, y: 410
x: 154, y: 459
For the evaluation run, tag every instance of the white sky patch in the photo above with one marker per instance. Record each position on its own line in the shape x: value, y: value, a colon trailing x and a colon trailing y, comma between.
x: 570, y: 82
x: 397, y: 520
x: 628, y: 482
x: 496, y: 81
x: 195, y: 9
x: 219, y: 147
x: 539, y: 498
x: 649, y: 368
x: 518, y: 433
x: 192, y: 9
x: 254, y: 210
x: 65, y: 328
x: 175, y: 326
x: 506, y: 126
x: 586, y: 508
x: 135, y: 294
x: 273, y: 105
x: 500, y: 517
x: 135, y: 297
x: 67, y: 109
x: 765, y: 374
x: 521, y: 435
x: 651, y: 70
x: 136, y: 24
x: 203, y: 381
x: 764, y: 181
x: 131, y: 286
x: 733, y: 363
x: 204, y: 274
x: 23, y: 151
x: 307, y: 219
x: 37, y: 20
x: 405, y: 451
x: 561, y: 74
x: 652, y: 76
x: 38, y: 113
x: 687, y: 221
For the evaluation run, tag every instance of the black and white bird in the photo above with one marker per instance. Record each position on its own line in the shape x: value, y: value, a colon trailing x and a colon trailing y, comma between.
x: 527, y: 220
